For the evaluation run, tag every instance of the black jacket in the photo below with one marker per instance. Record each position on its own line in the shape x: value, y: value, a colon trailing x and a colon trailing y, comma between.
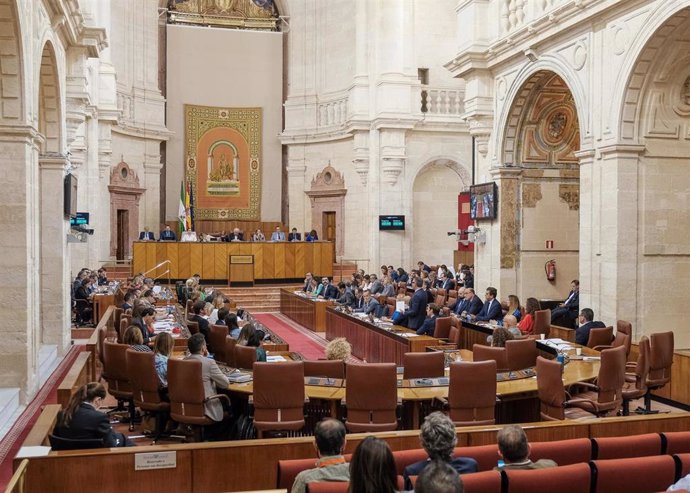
x: 89, y: 423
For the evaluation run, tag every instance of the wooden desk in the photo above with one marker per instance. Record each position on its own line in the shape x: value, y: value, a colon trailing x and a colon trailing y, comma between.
x: 372, y: 343
x: 272, y: 260
x: 101, y: 302
x: 305, y: 311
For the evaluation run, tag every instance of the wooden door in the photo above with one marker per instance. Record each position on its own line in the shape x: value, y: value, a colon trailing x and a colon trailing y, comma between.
x: 328, y: 228
x: 122, y: 233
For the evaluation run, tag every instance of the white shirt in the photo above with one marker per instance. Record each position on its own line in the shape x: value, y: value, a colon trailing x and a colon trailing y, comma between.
x: 188, y: 236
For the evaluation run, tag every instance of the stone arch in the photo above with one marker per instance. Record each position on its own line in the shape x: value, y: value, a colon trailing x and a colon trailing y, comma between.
x: 49, y: 109
x: 547, y: 64
x: 12, y: 101
x: 434, y: 191
x: 648, y: 51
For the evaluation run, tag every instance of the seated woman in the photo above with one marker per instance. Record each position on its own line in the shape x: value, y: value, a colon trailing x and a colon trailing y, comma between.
x: 250, y: 337
x: 258, y: 236
x: 143, y: 318
x: 162, y: 351
x: 82, y: 420
x: 526, y: 325
x: 338, y: 349
x: 233, y: 328
x: 312, y: 236
x: 133, y: 338
x: 501, y: 335
x: 372, y: 468
x: 514, y: 307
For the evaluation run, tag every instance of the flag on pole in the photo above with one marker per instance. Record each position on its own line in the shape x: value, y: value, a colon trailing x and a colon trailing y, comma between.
x: 182, y: 213
x: 188, y: 218
x: 191, y: 208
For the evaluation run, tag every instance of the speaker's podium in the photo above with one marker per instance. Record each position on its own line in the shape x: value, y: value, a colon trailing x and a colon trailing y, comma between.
x: 240, y: 269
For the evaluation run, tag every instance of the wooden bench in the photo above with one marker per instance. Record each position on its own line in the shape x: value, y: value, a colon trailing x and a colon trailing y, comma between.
x: 255, y: 462
x: 42, y: 428
x: 105, y: 324
x: 79, y: 374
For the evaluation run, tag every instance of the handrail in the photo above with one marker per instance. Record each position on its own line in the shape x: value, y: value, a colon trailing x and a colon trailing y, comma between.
x: 167, y: 271
x: 18, y: 478
x: 157, y: 266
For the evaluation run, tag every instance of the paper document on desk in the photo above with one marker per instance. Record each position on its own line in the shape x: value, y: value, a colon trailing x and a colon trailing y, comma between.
x: 273, y: 359
x: 409, y: 334
x: 34, y: 451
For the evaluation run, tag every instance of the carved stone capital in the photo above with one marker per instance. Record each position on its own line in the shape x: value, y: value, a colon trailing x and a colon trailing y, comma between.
x: 480, y: 128
x: 391, y: 167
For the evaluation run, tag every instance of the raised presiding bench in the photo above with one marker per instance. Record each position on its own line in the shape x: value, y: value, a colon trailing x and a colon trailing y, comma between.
x: 305, y: 311
x: 271, y: 260
x: 373, y: 343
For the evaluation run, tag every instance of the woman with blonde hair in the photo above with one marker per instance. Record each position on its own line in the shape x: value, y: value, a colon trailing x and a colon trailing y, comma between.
x: 338, y: 349
x: 162, y: 351
x: 135, y: 340
x: 514, y: 307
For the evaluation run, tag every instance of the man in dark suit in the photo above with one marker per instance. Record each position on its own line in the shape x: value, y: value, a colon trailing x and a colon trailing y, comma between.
x: 587, y: 323
x: 369, y: 304
x: 307, y: 281
x: 415, y: 315
x: 146, y: 235
x: 422, y: 266
x: 429, y: 325
x: 447, y: 282
x: 460, y: 303
x: 330, y: 292
x: 198, y: 309
x: 294, y: 235
x: 358, y: 303
x: 236, y: 235
x: 472, y: 304
x: 566, y: 313
x: 438, y: 437
x: 168, y: 235
x: 492, y: 307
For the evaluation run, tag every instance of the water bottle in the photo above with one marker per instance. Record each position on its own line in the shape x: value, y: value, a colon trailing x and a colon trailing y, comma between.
x: 560, y: 358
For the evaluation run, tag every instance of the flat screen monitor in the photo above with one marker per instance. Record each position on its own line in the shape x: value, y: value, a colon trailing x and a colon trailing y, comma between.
x: 483, y: 201
x: 80, y: 219
x: 391, y: 223
x: 70, y: 200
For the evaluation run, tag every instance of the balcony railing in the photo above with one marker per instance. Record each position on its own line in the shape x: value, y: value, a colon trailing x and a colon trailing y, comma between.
x: 516, y: 13
x: 332, y: 113
x: 441, y: 101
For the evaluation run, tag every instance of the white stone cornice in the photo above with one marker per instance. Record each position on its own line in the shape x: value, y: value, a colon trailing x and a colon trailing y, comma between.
x: 53, y: 161
x: 149, y: 133
x: 622, y: 149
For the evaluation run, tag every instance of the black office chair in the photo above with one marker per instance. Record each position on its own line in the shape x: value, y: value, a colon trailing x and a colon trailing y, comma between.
x: 59, y: 443
x: 83, y: 312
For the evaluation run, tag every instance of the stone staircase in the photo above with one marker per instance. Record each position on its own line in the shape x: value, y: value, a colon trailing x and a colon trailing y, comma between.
x: 118, y: 272
x: 258, y: 298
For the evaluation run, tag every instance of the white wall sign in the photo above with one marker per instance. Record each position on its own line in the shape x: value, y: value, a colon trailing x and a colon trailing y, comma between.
x: 155, y: 460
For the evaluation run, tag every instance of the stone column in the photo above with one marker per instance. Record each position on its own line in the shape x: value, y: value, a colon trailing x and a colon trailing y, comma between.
x: 20, y: 339
x: 616, y: 296
x: 299, y: 213
x: 589, y: 239
x: 55, y: 264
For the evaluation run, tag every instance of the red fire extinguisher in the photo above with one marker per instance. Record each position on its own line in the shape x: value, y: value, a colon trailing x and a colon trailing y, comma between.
x: 550, y: 270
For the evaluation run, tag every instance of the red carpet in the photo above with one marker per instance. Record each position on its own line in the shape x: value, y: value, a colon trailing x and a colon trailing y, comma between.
x: 10, y: 444
x: 300, y: 339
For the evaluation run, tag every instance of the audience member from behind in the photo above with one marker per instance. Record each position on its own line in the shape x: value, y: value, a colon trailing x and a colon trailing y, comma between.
x: 438, y: 477
x: 233, y: 328
x: 437, y: 436
x: 329, y: 442
x: 526, y: 324
x: 143, y: 319
x: 338, y: 349
x: 162, y: 351
x: 510, y: 323
x: 499, y: 337
x: 250, y: 337
x: 372, y: 469
x: 134, y: 340
x: 514, y: 449
x: 82, y: 420
x: 586, y: 323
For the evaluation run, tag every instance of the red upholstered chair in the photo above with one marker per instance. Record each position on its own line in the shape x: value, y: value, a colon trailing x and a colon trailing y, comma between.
x: 216, y: 341
x: 683, y: 461
x: 472, y: 393
x: 661, y: 359
x: 624, y: 327
x: 606, y: 395
x: 481, y: 482
x: 193, y: 327
x: 454, y: 335
x: 542, y: 322
x: 324, y: 368
x: 677, y: 442
x: 289, y: 469
x: 619, y: 339
x: 145, y: 384
x: 442, y: 328
x: 521, y: 354
x: 626, y: 446
x: 440, y: 298
x: 116, y: 375
x: 278, y: 397
x: 563, y: 452
x: 485, y: 455
x: 424, y: 365
x: 404, y: 458
x: 490, y: 353
x: 600, y: 337
x: 124, y: 323
x: 550, y: 389
x: 634, y: 475
x: 574, y: 478
x: 636, y: 381
x: 371, y: 394
x: 330, y: 487
x: 230, y: 344
x: 245, y: 356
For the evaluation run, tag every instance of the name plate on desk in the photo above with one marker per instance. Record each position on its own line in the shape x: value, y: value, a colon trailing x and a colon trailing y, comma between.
x: 241, y: 259
x: 155, y: 460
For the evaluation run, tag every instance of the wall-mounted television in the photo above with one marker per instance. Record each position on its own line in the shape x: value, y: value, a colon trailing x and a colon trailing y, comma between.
x: 483, y: 201
x: 391, y: 223
x: 70, y: 200
x: 80, y: 219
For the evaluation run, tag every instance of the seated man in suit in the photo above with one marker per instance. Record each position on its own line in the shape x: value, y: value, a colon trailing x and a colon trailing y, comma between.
x: 199, y: 318
x: 146, y: 235
x: 492, y: 307
x: 294, y: 235
x: 329, y: 435
x: 438, y: 437
x: 459, y: 305
x: 329, y: 292
x: 586, y: 323
x: 429, y: 325
x: 211, y: 377
x: 345, y: 297
x: 566, y: 313
x: 514, y: 449
x: 369, y: 303
x: 278, y: 235
x: 447, y: 281
x: 168, y: 234
x: 236, y: 235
